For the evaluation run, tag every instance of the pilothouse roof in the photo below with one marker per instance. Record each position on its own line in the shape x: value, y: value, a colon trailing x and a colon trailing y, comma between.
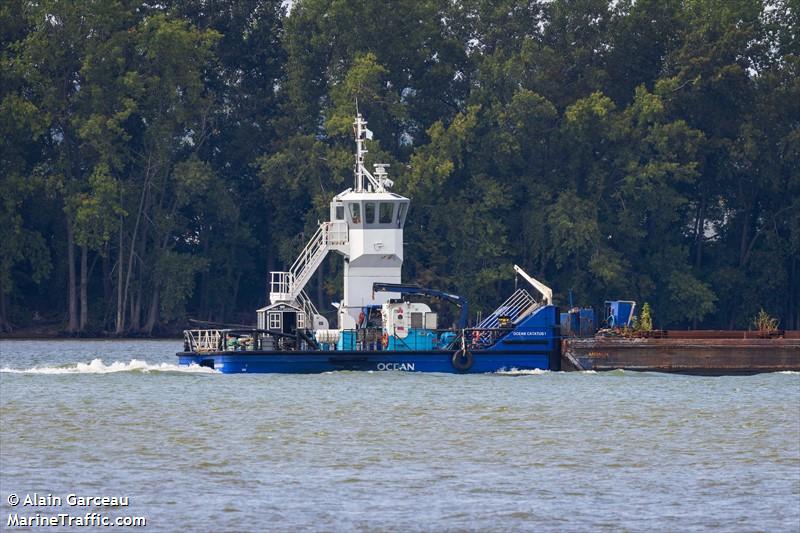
x: 363, y: 196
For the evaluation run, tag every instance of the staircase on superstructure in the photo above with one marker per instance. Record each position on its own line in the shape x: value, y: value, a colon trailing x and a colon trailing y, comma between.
x: 288, y: 286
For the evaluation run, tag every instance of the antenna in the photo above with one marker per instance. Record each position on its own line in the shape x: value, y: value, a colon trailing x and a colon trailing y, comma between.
x: 375, y: 184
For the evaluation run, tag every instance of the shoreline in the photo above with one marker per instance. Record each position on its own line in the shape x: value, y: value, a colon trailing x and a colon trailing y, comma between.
x: 53, y: 333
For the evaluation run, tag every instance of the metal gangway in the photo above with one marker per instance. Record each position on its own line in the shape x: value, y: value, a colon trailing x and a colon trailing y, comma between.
x: 516, y: 307
x: 519, y: 305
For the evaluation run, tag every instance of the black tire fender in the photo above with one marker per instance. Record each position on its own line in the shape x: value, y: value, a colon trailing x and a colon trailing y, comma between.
x: 462, y: 360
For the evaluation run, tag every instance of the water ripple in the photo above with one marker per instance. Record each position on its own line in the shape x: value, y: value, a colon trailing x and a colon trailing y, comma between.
x: 350, y: 451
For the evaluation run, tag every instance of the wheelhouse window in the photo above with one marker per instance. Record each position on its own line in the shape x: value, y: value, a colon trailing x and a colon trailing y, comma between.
x: 369, y: 213
x: 274, y: 321
x: 401, y: 215
x: 339, y: 212
x: 355, y: 213
x: 386, y: 212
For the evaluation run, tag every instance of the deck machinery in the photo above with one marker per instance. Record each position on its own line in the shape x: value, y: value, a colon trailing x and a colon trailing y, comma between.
x: 378, y: 328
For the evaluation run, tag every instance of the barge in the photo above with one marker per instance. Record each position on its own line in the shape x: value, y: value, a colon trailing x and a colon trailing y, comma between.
x: 719, y: 355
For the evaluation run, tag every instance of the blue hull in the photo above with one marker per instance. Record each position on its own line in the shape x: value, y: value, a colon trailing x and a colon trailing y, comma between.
x: 330, y: 361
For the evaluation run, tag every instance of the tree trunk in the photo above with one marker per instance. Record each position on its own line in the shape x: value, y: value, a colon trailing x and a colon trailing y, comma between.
x: 108, y: 289
x: 84, y: 287
x: 792, y: 304
x: 700, y: 234
x: 120, y: 300
x: 136, y: 310
x: 205, y: 307
x: 143, y: 270
x: 270, y: 267
x: 152, y: 314
x: 72, y: 326
x: 235, y: 297
x: 5, y: 325
x: 139, y: 215
x: 203, y: 311
x: 745, y: 238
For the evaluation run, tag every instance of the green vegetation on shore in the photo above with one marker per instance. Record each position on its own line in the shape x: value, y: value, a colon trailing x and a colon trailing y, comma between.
x: 158, y: 159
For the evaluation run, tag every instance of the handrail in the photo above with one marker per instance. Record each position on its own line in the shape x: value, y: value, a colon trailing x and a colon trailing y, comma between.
x: 313, y: 245
x: 244, y: 339
x: 288, y: 285
x: 202, y: 340
x: 517, y: 306
x: 308, y: 307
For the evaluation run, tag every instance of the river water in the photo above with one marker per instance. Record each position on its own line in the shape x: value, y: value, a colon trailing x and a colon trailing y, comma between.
x: 194, y: 450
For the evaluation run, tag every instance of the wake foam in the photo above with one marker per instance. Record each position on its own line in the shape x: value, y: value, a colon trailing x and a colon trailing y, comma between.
x: 518, y: 372
x: 97, y: 366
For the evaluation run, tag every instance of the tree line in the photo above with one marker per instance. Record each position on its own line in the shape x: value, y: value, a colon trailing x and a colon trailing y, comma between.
x: 159, y: 159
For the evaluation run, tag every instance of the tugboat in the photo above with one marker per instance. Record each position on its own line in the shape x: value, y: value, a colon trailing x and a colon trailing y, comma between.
x: 378, y: 328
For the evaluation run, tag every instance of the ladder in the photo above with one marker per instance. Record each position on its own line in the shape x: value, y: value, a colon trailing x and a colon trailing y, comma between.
x: 287, y: 286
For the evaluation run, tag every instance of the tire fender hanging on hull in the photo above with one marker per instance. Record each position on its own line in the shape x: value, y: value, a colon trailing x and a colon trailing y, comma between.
x: 462, y: 360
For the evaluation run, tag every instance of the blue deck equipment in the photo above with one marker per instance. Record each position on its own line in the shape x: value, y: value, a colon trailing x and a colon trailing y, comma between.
x: 578, y: 322
x: 588, y: 326
x: 619, y: 313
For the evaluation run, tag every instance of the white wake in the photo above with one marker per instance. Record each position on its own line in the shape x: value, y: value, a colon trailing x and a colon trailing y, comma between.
x: 97, y: 366
x: 521, y: 372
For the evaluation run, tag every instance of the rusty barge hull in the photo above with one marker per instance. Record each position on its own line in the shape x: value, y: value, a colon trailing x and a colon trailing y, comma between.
x: 684, y: 356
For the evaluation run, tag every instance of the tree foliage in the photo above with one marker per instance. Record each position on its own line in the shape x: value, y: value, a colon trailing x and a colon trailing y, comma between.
x: 158, y: 159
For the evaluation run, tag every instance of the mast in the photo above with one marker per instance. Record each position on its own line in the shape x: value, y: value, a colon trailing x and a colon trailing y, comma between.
x: 360, y: 126
x: 380, y: 181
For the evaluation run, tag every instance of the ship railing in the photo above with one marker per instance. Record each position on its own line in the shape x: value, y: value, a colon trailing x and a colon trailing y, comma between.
x: 372, y: 339
x: 516, y: 307
x: 235, y: 340
x: 479, y: 338
x: 328, y: 234
x: 314, y: 247
x: 308, y: 307
x: 336, y: 233
x: 203, y: 340
x: 280, y: 285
